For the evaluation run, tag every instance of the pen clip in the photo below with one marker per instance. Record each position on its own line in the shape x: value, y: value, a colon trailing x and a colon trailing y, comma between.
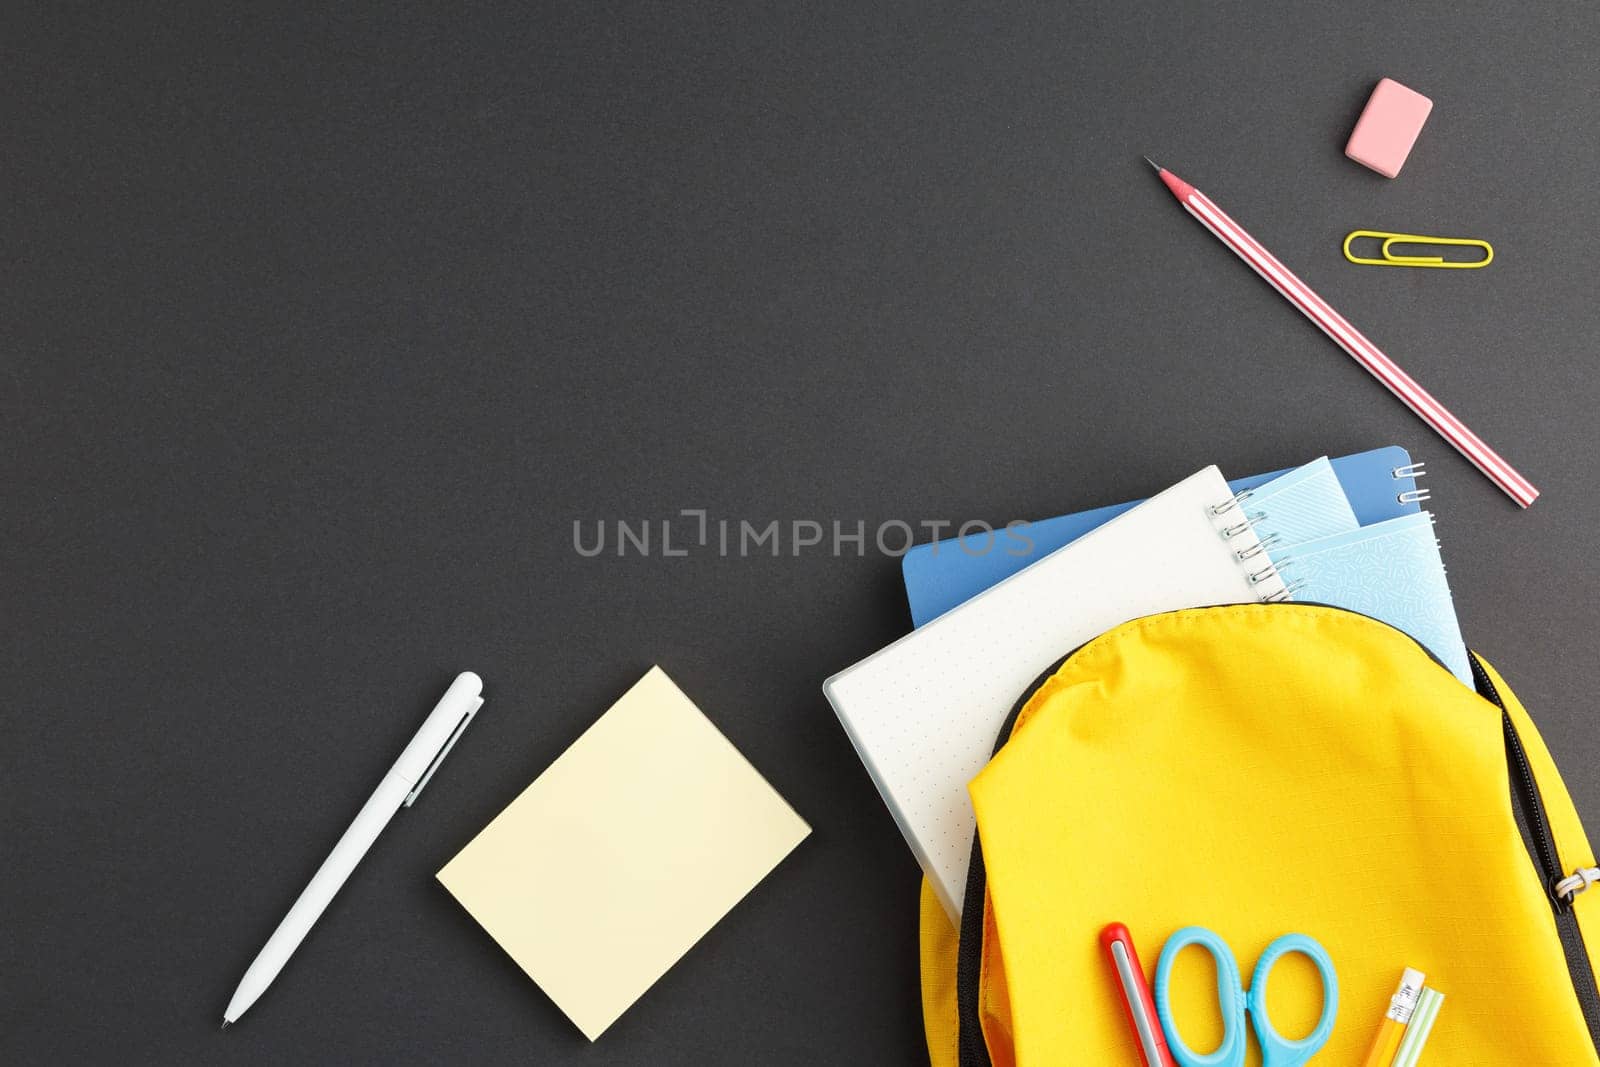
x: 444, y: 750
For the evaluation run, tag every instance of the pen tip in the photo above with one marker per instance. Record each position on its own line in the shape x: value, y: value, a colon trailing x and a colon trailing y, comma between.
x: 1153, y: 164
x: 226, y: 1023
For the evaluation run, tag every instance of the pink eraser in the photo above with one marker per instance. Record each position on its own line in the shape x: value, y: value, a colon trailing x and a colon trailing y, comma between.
x: 1388, y: 127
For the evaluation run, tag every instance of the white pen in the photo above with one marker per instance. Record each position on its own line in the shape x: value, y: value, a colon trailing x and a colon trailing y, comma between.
x: 398, y: 788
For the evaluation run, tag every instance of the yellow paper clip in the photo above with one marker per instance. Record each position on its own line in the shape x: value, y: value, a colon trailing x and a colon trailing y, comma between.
x: 1389, y: 259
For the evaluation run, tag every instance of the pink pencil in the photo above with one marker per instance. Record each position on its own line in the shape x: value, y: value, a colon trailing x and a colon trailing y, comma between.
x: 1349, y: 338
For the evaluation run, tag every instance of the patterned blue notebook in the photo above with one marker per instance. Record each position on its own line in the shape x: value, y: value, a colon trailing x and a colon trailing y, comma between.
x: 1391, y: 571
x: 1379, y: 485
x: 1303, y: 505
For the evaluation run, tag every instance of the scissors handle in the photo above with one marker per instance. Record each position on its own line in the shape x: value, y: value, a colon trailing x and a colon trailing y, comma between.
x: 1230, y: 998
x: 1276, y: 1050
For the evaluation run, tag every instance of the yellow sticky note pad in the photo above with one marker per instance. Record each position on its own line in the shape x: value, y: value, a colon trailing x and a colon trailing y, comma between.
x: 623, y: 853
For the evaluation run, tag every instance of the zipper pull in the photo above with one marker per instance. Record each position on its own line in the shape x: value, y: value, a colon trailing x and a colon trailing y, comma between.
x: 1575, y: 883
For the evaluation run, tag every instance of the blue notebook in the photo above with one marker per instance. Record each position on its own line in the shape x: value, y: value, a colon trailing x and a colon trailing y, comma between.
x: 942, y: 574
x: 1390, y: 571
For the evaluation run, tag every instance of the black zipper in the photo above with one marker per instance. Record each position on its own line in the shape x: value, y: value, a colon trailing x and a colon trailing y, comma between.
x: 972, y: 1050
x: 1527, y: 806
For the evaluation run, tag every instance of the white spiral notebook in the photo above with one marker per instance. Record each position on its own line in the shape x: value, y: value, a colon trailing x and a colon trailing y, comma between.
x: 925, y: 712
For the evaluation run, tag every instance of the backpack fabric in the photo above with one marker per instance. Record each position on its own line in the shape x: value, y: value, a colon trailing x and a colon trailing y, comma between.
x: 1263, y: 769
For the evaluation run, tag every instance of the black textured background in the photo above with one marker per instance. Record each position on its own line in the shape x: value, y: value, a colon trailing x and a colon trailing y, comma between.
x: 318, y: 331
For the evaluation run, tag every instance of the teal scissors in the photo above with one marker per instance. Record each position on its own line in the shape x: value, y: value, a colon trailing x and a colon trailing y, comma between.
x: 1234, y: 1001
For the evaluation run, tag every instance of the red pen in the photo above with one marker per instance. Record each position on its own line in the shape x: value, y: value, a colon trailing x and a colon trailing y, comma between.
x: 1136, y: 998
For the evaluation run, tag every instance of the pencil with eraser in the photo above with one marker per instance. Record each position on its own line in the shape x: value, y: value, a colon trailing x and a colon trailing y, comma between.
x: 1393, y: 1027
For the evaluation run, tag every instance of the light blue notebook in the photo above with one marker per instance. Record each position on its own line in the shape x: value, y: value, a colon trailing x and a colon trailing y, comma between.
x: 1391, y: 571
x: 1303, y: 505
x: 939, y: 575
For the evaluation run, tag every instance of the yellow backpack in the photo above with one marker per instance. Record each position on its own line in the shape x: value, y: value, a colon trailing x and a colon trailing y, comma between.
x: 1259, y: 769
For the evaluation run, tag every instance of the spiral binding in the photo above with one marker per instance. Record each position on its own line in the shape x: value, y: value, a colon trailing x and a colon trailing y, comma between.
x: 1287, y: 592
x: 1219, y: 510
x: 1411, y: 470
x: 1259, y: 547
x: 1257, y: 577
x: 1230, y: 532
x: 1249, y: 519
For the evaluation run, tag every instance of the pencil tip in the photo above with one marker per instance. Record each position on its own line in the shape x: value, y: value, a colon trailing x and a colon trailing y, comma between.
x: 1153, y: 164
